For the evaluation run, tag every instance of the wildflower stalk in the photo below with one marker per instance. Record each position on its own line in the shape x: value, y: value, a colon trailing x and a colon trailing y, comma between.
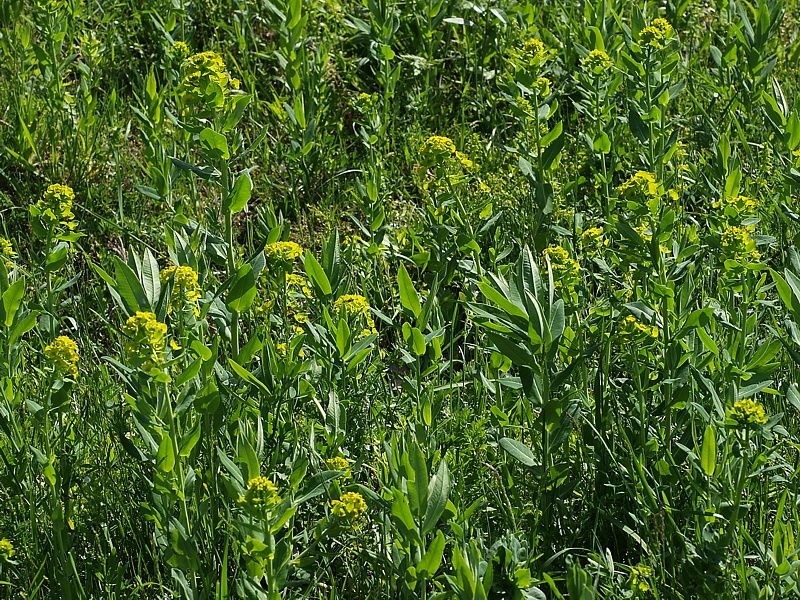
x: 230, y: 253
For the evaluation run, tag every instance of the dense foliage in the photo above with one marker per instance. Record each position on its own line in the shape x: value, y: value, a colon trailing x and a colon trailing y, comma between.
x: 380, y: 299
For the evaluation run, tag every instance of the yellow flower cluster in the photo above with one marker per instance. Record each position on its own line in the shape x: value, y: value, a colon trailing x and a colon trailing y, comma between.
x: 639, y: 576
x: 435, y: 150
x: 656, y: 35
x: 737, y: 205
x: 597, y: 62
x: 533, y: 53
x: 356, y: 306
x: 261, y: 492
x: 298, y: 282
x: 630, y: 326
x: 349, y: 507
x: 7, y: 253
x: 145, y: 339
x: 63, y: 355
x: 185, y: 290
x: 206, y: 80
x: 593, y: 238
x: 283, y: 252
x: 54, y: 209
x: 6, y: 549
x: 542, y: 86
x: 738, y: 244
x: 565, y: 268
x: 641, y: 187
x: 181, y: 50
x: 748, y: 412
x: 339, y: 463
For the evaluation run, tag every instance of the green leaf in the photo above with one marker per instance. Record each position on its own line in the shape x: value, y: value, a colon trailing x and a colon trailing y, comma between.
x: 165, y: 459
x: 316, y: 275
x: 438, y: 493
x: 519, y: 451
x: 708, y: 454
x: 12, y: 298
x: 243, y: 290
x: 430, y: 562
x: 215, y: 144
x: 240, y: 194
x: 418, y: 344
x: 408, y: 295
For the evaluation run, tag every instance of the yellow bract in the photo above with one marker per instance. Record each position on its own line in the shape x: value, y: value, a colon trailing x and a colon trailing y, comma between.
x: 349, y: 507
x: 748, y: 412
x: 63, y: 355
x: 261, y: 492
x: 145, y: 339
x: 285, y: 252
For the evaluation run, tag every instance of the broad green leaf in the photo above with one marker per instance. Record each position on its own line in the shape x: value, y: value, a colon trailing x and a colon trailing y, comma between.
x: 240, y: 193
x: 243, y: 291
x: 408, y: 295
x: 215, y: 144
x: 430, y: 562
x: 708, y: 454
x: 12, y: 298
x: 519, y: 451
x: 438, y: 493
x: 317, y: 275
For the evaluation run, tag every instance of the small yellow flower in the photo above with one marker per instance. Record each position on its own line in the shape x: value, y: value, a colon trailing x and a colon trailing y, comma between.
x: 747, y: 412
x: 185, y: 290
x: 533, y: 53
x: 631, y: 326
x: 350, y: 507
x: 597, y: 62
x: 181, y: 50
x: 641, y: 187
x: 63, y: 355
x: 339, y: 463
x: 738, y: 244
x: 298, y: 282
x: 542, y: 87
x: 356, y: 306
x: 639, y: 578
x: 737, y: 205
x: 54, y: 209
x: 261, y: 493
x: 145, y: 339
x: 566, y: 269
x: 206, y: 81
x: 6, y: 549
x: 435, y: 150
x: 284, y: 253
x: 656, y: 35
x: 7, y: 253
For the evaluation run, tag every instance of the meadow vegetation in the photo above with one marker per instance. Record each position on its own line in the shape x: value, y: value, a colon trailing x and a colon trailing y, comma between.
x: 436, y: 299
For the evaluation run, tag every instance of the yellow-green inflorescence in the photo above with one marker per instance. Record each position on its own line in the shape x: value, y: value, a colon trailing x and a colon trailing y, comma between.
x: 145, y: 339
x: 350, y: 507
x: 566, y: 269
x: 435, y: 150
x: 631, y: 326
x: 206, y: 81
x: 656, y: 35
x: 356, y: 306
x: 738, y: 244
x: 748, y: 412
x: 185, y: 290
x: 640, y: 188
x: 597, y: 62
x: 339, y: 463
x: 53, y: 211
x: 283, y: 253
x: 7, y: 253
x: 7, y: 551
x: 62, y: 355
x: 261, y: 493
x: 640, y: 576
